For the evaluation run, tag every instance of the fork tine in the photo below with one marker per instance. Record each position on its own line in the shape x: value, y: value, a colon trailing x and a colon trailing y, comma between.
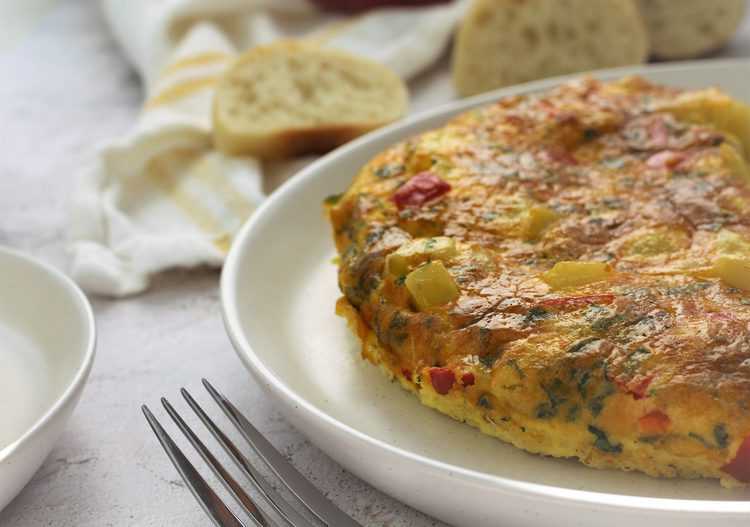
x: 206, y: 497
x: 286, y: 511
x: 229, y: 482
x: 302, y: 489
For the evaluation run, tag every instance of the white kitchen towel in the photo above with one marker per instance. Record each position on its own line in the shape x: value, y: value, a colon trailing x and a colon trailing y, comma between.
x: 162, y: 197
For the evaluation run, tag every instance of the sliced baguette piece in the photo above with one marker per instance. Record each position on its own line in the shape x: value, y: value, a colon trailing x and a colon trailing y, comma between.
x: 690, y: 28
x: 503, y: 42
x: 291, y: 98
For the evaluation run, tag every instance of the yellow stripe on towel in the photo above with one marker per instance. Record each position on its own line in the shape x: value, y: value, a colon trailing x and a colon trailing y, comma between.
x: 331, y: 31
x: 192, y: 61
x: 180, y: 91
x: 167, y: 172
x: 207, y: 171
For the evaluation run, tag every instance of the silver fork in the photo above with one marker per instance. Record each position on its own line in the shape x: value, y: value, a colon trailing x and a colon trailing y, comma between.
x: 321, y: 511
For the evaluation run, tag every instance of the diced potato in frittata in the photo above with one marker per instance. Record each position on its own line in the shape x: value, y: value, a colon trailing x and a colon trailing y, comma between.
x: 735, y: 162
x: 731, y: 243
x: 656, y: 242
x: 573, y: 274
x: 414, y: 252
x: 539, y: 218
x: 713, y: 107
x: 735, y: 271
x: 431, y: 285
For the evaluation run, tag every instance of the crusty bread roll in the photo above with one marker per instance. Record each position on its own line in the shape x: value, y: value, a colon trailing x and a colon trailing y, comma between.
x: 291, y: 98
x: 690, y: 28
x: 502, y: 42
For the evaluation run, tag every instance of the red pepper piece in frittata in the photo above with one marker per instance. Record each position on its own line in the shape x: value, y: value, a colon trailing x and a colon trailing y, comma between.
x: 420, y: 189
x: 636, y: 387
x: 666, y: 159
x: 739, y: 467
x: 442, y: 379
x: 654, y: 422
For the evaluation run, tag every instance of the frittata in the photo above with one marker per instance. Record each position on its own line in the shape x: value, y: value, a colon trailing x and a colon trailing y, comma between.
x: 568, y: 271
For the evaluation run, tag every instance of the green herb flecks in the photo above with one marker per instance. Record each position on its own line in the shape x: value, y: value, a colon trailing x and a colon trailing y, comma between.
x: 573, y: 413
x: 602, y: 441
x: 398, y: 321
x: 350, y: 253
x: 614, y: 163
x: 596, y: 404
x: 535, y: 314
x: 721, y: 436
x: 634, y: 359
x: 556, y: 396
x: 700, y: 439
x: 545, y: 411
x: 513, y: 364
x: 430, y: 244
x: 614, y: 203
x: 484, y: 337
x: 556, y: 392
x: 387, y: 171
x: 582, y: 382
x: 488, y: 360
x: 589, y: 134
x: 604, y: 324
x: 374, y: 236
x: 505, y: 149
x: 489, y: 215
x: 689, y: 289
x: 332, y: 199
x: 580, y: 345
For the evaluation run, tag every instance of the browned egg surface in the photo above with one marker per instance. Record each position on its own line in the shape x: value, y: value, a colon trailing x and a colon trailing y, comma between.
x: 574, y: 263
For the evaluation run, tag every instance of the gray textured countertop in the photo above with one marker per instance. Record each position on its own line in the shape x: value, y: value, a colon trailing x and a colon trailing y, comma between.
x: 65, y: 88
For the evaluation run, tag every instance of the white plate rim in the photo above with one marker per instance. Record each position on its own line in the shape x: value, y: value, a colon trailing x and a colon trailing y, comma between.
x: 230, y: 315
x: 83, y: 369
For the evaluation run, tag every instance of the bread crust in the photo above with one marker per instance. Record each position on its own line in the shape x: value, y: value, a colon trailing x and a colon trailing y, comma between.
x: 291, y: 142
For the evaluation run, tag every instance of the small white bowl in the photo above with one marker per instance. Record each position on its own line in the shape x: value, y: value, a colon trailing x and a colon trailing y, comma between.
x: 47, y: 341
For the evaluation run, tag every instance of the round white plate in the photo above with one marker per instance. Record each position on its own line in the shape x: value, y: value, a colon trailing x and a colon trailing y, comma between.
x: 46, y: 350
x: 278, y: 291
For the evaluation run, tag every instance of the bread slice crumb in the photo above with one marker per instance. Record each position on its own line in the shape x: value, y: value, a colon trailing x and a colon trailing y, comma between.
x: 690, y: 28
x: 291, y: 98
x: 504, y: 42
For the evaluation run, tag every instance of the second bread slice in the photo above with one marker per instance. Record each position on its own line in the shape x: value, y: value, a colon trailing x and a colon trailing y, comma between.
x: 503, y: 42
x: 291, y: 98
x: 690, y: 28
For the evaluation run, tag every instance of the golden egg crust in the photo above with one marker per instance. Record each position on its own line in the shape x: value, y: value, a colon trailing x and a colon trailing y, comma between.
x: 568, y: 271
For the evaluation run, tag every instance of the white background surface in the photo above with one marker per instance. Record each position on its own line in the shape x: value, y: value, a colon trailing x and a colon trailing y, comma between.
x: 65, y: 88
